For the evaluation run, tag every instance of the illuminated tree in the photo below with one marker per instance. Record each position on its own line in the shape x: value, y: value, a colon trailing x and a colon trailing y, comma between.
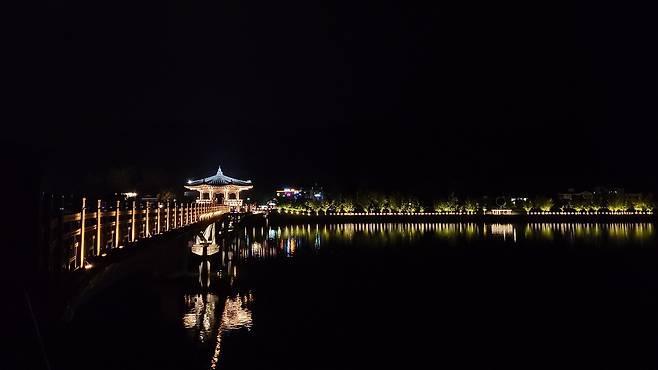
x: 412, y: 205
x: 526, y: 205
x: 446, y: 205
x: 644, y: 203
x: 348, y: 205
x: 543, y: 203
x: 379, y: 202
x: 283, y: 204
x: 582, y: 204
x: 166, y: 196
x: 471, y: 205
x: 618, y: 202
x: 312, y: 205
x: 325, y: 205
x: 363, y: 201
x: 396, y: 203
x: 337, y: 206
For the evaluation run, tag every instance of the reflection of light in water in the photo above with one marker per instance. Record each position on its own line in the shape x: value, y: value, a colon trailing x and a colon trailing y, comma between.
x: 504, y: 230
x: 293, y: 245
x: 291, y: 238
x: 200, y: 314
x: 236, y: 316
x: 257, y: 249
x: 617, y: 232
x: 210, y: 249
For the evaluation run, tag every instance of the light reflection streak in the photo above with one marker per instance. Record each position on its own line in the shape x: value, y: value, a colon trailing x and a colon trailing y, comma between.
x: 200, y: 314
x: 292, y: 238
x: 236, y: 316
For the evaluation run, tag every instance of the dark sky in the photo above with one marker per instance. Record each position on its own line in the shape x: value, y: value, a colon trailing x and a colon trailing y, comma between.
x: 475, y: 97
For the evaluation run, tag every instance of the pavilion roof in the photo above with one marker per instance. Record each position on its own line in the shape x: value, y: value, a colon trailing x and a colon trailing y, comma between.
x: 219, y: 179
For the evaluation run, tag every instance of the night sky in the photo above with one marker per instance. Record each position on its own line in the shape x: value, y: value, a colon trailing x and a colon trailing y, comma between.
x: 473, y: 97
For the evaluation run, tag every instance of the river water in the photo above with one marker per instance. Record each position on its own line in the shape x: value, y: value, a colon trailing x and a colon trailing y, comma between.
x: 383, y: 295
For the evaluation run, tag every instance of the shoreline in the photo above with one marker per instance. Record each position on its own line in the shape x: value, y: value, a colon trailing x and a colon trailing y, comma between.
x: 279, y: 218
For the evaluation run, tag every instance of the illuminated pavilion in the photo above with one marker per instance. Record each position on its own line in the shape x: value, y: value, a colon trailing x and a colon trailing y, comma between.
x: 219, y: 189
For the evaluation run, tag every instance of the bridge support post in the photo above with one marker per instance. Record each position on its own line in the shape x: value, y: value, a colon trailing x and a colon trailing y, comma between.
x: 157, y: 231
x: 168, y: 216
x: 117, y: 223
x: 132, y: 227
x: 59, y: 246
x: 147, y: 232
x: 99, y: 218
x: 82, y: 233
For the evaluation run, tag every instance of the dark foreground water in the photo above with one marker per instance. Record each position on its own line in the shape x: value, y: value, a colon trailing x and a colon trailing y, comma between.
x: 400, y: 296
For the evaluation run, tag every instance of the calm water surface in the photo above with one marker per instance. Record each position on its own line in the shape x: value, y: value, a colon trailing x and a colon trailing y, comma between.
x: 377, y: 295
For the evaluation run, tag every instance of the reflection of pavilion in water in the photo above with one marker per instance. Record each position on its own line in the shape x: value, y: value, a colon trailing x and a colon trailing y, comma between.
x: 214, y: 311
x: 203, y: 322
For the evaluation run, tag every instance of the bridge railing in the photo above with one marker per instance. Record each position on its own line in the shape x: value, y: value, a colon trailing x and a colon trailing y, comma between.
x: 72, y: 239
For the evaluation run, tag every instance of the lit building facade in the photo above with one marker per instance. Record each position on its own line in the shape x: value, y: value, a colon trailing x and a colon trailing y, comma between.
x: 314, y: 193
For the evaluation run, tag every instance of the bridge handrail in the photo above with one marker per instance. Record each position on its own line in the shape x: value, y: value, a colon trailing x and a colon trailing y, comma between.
x: 70, y: 239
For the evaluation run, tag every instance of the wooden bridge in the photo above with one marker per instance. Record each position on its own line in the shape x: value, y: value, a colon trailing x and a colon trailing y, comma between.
x: 72, y: 240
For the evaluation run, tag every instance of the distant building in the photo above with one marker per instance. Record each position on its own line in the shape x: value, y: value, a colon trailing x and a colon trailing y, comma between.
x: 315, y: 192
x: 572, y: 195
x: 129, y: 195
x: 149, y: 198
x: 289, y: 193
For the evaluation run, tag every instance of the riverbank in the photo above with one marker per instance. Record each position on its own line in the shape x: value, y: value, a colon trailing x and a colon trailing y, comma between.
x: 288, y: 218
